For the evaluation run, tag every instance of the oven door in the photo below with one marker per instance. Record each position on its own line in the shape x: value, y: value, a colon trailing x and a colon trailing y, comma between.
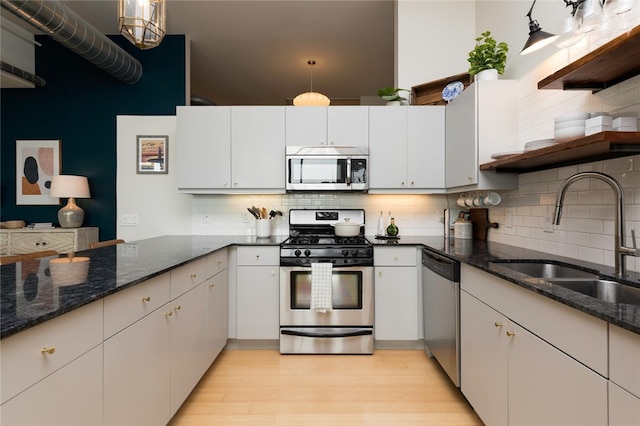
x: 352, y: 291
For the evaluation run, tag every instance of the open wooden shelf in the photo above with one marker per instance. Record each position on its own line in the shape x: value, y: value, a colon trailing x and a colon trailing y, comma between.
x: 431, y: 93
x: 610, y: 64
x: 600, y: 146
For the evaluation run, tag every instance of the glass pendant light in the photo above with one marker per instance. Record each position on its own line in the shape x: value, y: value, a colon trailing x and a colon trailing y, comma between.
x: 142, y: 22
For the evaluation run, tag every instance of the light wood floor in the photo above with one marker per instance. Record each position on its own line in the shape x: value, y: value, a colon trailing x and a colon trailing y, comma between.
x: 262, y: 387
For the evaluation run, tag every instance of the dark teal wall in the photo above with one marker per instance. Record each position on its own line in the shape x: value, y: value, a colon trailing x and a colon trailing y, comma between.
x: 79, y: 105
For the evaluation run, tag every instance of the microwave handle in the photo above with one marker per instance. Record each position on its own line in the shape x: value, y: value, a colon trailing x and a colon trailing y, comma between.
x: 348, y: 171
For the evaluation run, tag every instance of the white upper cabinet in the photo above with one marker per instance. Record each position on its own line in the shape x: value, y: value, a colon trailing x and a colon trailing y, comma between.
x: 333, y: 125
x: 257, y: 149
x: 407, y: 149
x: 481, y: 121
x: 203, y: 147
x: 230, y: 149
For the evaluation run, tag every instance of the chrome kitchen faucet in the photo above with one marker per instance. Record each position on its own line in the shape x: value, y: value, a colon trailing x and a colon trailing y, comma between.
x: 620, y: 250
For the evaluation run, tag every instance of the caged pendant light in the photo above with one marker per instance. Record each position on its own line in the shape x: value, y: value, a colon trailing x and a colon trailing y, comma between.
x: 311, y: 98
x: 142, y: 22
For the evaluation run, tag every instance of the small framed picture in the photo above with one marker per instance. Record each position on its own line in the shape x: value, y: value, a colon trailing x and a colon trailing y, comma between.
x: 37, y: 161
x: 153, y: 155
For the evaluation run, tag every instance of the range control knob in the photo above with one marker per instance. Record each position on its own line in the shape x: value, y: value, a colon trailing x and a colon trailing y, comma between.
x: 297, y: 253
x: 354, y: 253
x: 345, y: 253
x: 307, y: 253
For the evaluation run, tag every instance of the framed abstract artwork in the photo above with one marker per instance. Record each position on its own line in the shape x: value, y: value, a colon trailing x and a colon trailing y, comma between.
x: 37, y: 161
x: 152, y: 155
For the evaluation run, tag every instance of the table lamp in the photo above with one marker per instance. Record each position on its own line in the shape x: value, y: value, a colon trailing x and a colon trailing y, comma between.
x: 72, y: 187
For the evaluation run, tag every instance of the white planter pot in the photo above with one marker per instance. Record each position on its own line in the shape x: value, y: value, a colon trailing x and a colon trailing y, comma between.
x: 491, y: 74
x: 394, y: 103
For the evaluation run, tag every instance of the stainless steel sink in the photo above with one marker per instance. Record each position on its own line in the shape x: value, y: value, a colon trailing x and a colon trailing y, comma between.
x: 546, y: 270
x: 608, y: 291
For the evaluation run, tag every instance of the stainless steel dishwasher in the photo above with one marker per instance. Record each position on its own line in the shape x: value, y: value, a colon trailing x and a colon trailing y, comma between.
x: 441, y: 304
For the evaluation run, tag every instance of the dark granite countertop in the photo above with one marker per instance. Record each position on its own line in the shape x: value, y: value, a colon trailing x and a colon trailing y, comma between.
x: 480, y: 254
x: 28, y: 296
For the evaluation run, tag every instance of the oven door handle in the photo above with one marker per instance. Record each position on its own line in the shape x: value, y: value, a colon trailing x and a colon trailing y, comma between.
x: 325, y: 333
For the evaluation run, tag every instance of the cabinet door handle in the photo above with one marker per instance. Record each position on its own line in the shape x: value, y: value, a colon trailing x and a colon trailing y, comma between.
x: 510, y: 333
x: 273, y: 272
x: 412, y: 183
x: 219, y: 263
x: 177, y: 308
x: 49, y: 351
x: 498, y: 324
x: 257, y: 257
x: 212, y: 285
x: 193, y: 276
x: 168, y: 314
x: 146, y: 298
x: 402, y: 183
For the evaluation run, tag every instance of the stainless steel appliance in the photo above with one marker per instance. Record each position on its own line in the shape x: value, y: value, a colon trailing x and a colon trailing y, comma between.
x: 327, y: 168
x: 441, y: 304
x: 348, y: 327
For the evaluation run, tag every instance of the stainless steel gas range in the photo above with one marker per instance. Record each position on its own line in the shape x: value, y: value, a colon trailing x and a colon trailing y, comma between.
x: 315, y: 264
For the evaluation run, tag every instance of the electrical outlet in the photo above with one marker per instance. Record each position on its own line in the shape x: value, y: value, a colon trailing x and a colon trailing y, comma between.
x: 548, y: 226
x: 244, y: 216
x: 129, y: 220
x: 509, y: 220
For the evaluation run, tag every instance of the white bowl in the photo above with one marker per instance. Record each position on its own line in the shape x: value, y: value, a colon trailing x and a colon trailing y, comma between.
x: 572, y: 116
x: 562, y: 135
x: 572, y: 123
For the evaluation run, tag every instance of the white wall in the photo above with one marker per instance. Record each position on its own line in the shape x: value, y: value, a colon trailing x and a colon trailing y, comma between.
x: 160, y: 208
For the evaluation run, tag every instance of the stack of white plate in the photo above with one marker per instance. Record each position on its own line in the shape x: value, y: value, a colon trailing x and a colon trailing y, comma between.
x: 539, y: 144
x: 570, y: 126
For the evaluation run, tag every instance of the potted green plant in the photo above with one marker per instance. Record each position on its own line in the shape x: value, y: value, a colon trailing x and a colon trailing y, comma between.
x: 392, y: 95
x: 488, y: 54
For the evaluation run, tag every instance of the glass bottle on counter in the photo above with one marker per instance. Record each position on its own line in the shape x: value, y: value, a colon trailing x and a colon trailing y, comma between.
x: 381, y: 227
x: 392, y: 229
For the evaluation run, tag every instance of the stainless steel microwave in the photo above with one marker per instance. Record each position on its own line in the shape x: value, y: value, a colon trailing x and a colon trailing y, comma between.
x: 327, y: 168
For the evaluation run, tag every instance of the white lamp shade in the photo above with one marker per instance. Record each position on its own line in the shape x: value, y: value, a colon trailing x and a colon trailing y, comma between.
x: 67, y: 186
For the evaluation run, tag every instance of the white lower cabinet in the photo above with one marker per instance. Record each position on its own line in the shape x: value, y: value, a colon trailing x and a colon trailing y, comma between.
x: 70, y: 396
x: 188, y: 343
x: 217, y: 329
x: 396, y: 293
x: 512, y: 377
x: 624, y: 407
x: 137, y: 372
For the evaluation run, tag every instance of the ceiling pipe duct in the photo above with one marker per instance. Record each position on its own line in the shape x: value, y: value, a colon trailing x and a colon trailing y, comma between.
x: 73, y: 32
x: 25, y: 75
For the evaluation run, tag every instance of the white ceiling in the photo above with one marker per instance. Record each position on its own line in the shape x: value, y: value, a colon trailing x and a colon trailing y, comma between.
x: 256, y: 52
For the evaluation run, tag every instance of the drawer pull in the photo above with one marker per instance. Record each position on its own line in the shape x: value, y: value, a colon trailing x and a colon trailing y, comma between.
x: 273, y: 273
x: 146, y: 298
x: 193, y: 276
x: 212, y: 285
x: 497, y: 324
x: 257, y: 257
x: 49, y: 351
x: 177, y: 308
x: 510, y: 333
x: 219, y: 263
x: 168, y: 314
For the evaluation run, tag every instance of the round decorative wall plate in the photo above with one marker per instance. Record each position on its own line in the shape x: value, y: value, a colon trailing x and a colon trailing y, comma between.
x: 452, y: 90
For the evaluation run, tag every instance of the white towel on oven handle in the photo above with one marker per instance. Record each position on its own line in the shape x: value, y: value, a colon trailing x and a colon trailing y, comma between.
x: 322, y: 287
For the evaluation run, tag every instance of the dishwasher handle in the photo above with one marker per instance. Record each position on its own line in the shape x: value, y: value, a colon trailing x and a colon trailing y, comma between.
x: 441, y: 265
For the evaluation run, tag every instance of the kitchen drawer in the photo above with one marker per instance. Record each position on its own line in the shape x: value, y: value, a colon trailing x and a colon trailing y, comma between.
x: 624, y: 359
x: 72, y: 334
x: 128, y: 306
x: 258, y: 256
x: 394, y: 256
x: 580, y: 335
x: 188, y: 276
x: 216, y: 262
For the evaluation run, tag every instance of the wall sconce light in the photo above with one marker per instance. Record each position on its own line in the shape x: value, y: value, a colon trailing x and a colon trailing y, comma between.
x: 311, y: 98
x: 63, y: 186
x: 142, y: 22
x: 537, y: 38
